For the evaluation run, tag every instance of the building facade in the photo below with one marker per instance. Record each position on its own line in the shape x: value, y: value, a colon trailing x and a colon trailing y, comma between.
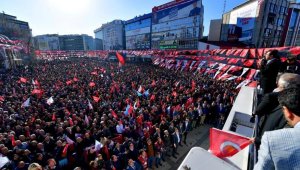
x: 256, y: 23
x: 177, y: 25
x: 14, y: 29
x: 292, y: 31
x: 138, y: 33
x: 215, y: 30
x: 47, y: 42
x: 76, y: 42
x: 112, y: 35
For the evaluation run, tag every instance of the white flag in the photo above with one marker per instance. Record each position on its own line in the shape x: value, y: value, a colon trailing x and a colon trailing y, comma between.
x: 86, y: 120
x: 26, y: 103
x: 50, y: 101
x: 69, y: 141
x: 90, y: 105
x: 98, y: 145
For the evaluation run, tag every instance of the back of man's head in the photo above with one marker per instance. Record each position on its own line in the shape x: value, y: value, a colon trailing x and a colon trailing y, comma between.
x: 290, y: 98
x: 288, y: 79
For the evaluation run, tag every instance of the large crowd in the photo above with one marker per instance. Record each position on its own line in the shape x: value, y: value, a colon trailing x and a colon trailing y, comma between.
x: 83, y: 113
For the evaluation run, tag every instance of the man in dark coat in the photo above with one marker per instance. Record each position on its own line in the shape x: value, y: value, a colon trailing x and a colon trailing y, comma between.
x: 269, y: 69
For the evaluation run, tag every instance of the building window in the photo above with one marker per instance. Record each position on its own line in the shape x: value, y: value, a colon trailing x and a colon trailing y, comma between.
x: 273, y: 8
x: 282, y: 10
x: 271, y: 19
x: 268, y: 32
x: 280, y: 22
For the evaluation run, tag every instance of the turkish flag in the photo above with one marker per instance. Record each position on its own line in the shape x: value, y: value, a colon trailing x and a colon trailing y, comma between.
x: 120, y: 58
x: 225, y: 144
x: 69, y: 82
x: 23, y: 80
x: 36, y: 91
x: 92, y: 84
x: 1, y: 98
x: 94, y: 73
x: 75, y: 79
x: 113, y: 113
x: 96, y: 99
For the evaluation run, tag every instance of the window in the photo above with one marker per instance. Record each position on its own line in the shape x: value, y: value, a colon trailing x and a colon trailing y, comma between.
x: 273, y: 8
x: 271, y: 20
x: 282, y: 10
x: 280, y: 22
x: 268, y: 32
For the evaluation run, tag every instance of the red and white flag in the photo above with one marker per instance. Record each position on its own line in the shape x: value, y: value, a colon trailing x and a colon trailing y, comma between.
x: 225, y: 144
x: 96, y: 99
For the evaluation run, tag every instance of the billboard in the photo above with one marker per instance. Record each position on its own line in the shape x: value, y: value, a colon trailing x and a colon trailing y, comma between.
x: 176, y: 10
x: 243, y: 19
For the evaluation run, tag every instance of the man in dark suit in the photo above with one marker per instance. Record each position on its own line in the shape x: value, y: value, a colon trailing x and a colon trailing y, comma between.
x: 269, y: 68
x: 176, y: 140
x: 186, y: 127
x: 269, y: 109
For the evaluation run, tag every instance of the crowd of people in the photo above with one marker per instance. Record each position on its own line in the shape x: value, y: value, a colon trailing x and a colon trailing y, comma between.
x: 83, y: 113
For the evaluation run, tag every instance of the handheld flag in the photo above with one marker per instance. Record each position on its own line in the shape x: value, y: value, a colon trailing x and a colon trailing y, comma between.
x: 86, y: 120
x: 92, y: 84
x: 90, y: 105
x: 120, y: 58
x: 225, y: 144
x: 98, y: 145
x: 69, y: 141
x: 23, y: 80
x: 96, y: 99
x: 26, y: 103
x: 50, y: 101
x: 113, y: 113
x: 146, y: 93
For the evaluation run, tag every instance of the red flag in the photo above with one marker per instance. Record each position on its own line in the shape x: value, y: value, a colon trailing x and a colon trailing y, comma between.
x: 13, y: 142
x: 53, y: 117
x: 94, y: 73
x: 68, y: 112
x: 92, y: 84
x: 71, y: 122
x: 113, y: 113
x: 193, y: 85
x: 174, y: 93
x: 36, y: 91
x: 69, y: 82
x: 153, y: 83
x: 75, y: 79
x: 120, y: 58
x: 1, y: 98
x: 65, y: 150
x: 253, y: 84
x: 23, y: 80
x: 225, y: 144
x: 152, y: 97
x: 96, y: 99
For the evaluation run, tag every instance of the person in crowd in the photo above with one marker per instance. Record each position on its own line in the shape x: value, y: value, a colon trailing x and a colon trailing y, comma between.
x: 291, y: 65
x: 280, y: 149
x: 269, y: 110
x: 269, y: 68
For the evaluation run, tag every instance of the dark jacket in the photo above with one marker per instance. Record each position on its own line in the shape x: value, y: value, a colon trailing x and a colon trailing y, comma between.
x: 268, y: 75
x: 271, y: 115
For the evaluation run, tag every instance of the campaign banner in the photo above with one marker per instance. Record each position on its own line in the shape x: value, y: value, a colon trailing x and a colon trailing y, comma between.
x: 175, y: 11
